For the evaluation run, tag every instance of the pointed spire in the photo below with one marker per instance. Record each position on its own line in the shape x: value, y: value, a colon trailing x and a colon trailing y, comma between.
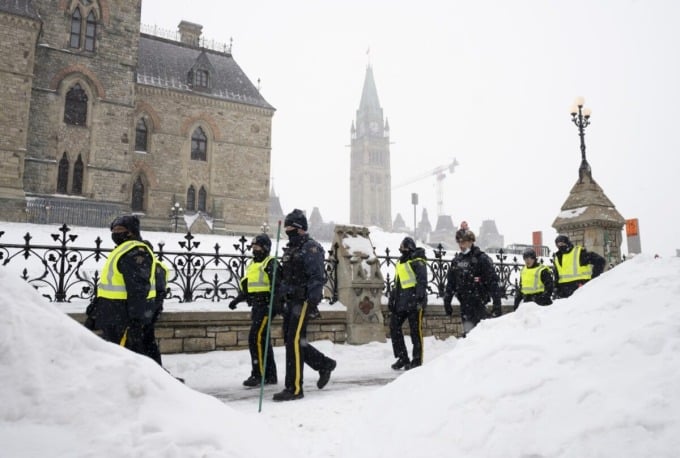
x: 387, y: 124
x: 369, y: 95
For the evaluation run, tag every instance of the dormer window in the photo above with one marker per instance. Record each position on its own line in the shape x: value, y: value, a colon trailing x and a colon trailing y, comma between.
x: 201, y: 78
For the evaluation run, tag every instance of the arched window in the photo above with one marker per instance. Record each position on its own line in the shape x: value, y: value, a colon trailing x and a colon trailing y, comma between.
x: 141, y: 136
x: 138, y: 195
x: 199, y: 145
x: 76, y: 25
x: 191, y: 198
x: 62, y: 175
x: 77, y: 187
x: 202, y: 197
x: 75, y: 108
x: 90, y: 31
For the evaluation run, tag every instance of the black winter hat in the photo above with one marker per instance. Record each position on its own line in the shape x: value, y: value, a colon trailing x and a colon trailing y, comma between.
x: 529, y: 253
x: 129, y: 222
x: 562, y: 239
x: 296, y: 218
x: 408, y: 244
x: 264, y: 241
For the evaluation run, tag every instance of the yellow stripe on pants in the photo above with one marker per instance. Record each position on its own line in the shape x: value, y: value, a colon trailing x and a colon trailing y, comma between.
x: 297, y: 383
x: 260, y: 355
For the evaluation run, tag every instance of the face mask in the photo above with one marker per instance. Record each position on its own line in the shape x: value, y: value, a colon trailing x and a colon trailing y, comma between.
x: 292, y: 233
x: 119, y: 237
x: 404, y: 252
x: 466, y: 251
x: 563, y: 248
x: 259, y: 255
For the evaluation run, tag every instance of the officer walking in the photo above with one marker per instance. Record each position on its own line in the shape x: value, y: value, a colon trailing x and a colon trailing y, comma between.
x: 407, y: 302
x: 302, y: 288
x: 125, y: 302
x: 256, y: 287
x: 574, y: 266
x: 473, y: 280
x: 535, y: 281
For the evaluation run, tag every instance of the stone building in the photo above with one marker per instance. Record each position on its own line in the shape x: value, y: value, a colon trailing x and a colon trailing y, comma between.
x: 370, y: 174
x: 103, y: 118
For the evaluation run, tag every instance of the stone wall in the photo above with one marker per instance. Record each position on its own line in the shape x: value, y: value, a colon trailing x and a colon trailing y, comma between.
x: 195, y: 332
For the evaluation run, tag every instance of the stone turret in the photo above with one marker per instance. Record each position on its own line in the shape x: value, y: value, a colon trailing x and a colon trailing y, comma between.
x: 590, y: 219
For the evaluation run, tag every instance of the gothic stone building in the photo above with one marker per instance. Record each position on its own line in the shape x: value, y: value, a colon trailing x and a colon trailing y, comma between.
x: 100, y: 119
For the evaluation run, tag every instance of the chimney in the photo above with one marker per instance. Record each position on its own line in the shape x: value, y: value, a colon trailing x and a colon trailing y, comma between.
x: 189, y: 33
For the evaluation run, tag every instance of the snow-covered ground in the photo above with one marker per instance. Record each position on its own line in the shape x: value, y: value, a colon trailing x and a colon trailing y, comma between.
x: 595, y: 375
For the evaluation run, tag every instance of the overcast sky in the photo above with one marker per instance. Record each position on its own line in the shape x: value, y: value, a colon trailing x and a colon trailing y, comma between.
x: 488, y: 82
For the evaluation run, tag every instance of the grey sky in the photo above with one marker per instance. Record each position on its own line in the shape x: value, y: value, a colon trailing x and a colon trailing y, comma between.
x: 488, y: 82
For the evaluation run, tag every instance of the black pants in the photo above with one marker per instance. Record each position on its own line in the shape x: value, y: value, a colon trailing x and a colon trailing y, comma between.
x: 415, y: 323
x: 136, y: 337
x: 298, y: 351
x: 256, y: 344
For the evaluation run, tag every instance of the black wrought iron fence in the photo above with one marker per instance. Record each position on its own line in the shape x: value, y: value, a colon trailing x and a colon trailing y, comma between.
x: 63, y: 272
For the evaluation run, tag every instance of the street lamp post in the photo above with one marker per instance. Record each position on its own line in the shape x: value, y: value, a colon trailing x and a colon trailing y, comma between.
x: 581, y: 118
x: 414, y: 201
x: 175, y: 212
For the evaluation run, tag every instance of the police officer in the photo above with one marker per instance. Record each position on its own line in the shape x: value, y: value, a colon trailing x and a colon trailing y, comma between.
x: 574, y: 266
x: 473, y: 280
x: 535, y: 281
x: 302, y: 288
x: 125, y: 302
x: 256, y: 287
x: 407, y: 302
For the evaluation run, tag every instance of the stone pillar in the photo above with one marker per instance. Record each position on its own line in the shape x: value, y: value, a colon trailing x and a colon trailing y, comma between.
x: 360, y: 284
x: 590, y: 219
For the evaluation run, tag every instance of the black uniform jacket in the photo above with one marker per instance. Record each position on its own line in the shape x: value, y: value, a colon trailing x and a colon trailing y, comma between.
x: 472, y: 279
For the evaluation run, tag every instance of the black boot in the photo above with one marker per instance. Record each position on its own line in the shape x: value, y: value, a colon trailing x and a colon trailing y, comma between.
x: 271, y: 380
x: 402, y: 362
x: 252, y: 381
x: 325, y: 374
x: 287, y: 395
x: 415, y: 362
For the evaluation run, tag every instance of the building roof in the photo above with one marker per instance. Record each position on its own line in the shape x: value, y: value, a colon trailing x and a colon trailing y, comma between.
x: 165, y: 63
x: 587, y: 203
x: 19, y: 7
x: 369, y: 94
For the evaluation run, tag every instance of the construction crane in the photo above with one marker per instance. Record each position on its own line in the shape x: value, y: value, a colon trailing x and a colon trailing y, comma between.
x: 439, y: 173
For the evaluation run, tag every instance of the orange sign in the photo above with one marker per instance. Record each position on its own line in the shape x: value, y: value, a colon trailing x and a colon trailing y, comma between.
x: 632, y: 227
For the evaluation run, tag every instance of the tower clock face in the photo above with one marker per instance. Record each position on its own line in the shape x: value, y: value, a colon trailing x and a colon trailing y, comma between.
x: 373, y: 126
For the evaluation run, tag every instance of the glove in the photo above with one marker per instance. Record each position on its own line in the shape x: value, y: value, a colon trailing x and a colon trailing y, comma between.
x: 232, y: 304
x: 448, y: 309
x: 313, y: 312
x: 496, y: 309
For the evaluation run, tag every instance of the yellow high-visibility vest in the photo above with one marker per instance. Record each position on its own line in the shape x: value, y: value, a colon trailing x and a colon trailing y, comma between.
x: 258, y: 279
x: 530, y: 280
x: 112, y: 284
x: 570, y: 269
x: 405, y: 275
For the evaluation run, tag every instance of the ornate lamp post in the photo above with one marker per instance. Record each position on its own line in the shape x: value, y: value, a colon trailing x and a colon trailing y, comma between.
x: 175, y: 213
x: 581, y: 118
x: 265, y: 228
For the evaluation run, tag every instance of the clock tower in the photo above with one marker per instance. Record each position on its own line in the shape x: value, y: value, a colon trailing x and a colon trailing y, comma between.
x: 370, y: 177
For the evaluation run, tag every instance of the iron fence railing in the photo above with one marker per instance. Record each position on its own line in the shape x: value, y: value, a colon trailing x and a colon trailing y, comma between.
x: 62, y: 271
